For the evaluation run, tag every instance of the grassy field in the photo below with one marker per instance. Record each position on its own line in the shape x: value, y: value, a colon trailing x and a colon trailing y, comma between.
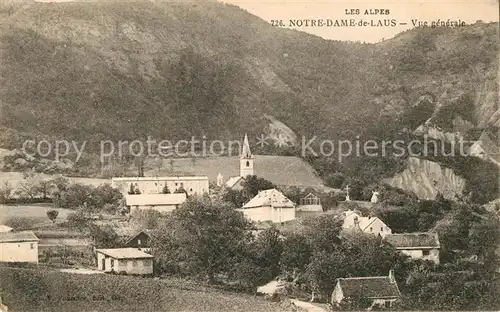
x: 14, y: 178
x: 43, y: 290
x: 281, y: 170
x: 37, y: 213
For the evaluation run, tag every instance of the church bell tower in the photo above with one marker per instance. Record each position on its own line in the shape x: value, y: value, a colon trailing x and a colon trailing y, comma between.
x: 246, y: 159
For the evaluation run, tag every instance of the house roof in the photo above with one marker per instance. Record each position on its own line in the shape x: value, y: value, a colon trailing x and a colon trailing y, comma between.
x: 370, y: 287
x: 147, y: 232
x: 155, y: 199
x: 414, y: 240
x: 271, y: 197
x: 4, y: 228
x: 125, y: 253
x: 232, y: 181
x: 365, y: 222
x: 25, y: 236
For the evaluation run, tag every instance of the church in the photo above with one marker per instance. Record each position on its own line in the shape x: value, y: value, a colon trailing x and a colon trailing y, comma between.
x: 246, y: 168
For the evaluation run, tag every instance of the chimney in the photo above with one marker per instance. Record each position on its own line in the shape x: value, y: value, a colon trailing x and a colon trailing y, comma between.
x: 392, y: 278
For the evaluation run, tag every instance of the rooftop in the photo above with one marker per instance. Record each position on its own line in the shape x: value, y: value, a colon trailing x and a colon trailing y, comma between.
x: 414, y: 240
x: 25, y: 236
x: 271, y: 197
x: 125, y: 253
x: 4, y: 228
x: 370, y: 287
x: 155, y: 199
x: 232, y: 181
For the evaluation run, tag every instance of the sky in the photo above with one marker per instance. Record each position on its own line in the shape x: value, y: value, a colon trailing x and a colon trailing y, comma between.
x: 402, y: 11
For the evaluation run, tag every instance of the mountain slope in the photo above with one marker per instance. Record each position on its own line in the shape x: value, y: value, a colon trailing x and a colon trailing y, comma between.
x: 121, y: 71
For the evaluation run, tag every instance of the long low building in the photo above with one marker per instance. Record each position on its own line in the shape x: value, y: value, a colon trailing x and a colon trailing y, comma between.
x: 18, y: 247
x: 158, y: 202
x: 128, y: 260
x: 155, y: 185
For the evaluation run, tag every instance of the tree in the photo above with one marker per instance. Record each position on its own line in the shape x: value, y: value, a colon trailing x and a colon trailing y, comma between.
x: 253, y: 184
x: 234, y: 197
x: 52, y: 215
x: 5, y: 191
x: 335, y: 180
x: 145, y: 219
x: 323, y: 231
x: 131, y: 190
x: 60, y: 185
x: 296, y: 255
x: 165, y: 189
x: 77, y: 220
x: 207, y: 237
x: 180, y: 190
x: 44, y: 187
x: 103, y: 237
x: 293, y: 193
x: 28, y: 188
x: 268, y: 248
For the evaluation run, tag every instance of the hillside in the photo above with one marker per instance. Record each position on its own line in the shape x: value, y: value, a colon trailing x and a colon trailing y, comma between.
x: 114, y: 71
x: 273, y: 168
x: 45, y: 290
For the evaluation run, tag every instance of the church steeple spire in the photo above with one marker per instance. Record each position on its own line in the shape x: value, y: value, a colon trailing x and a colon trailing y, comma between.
x: 246, y: 159
x: 245, y: 150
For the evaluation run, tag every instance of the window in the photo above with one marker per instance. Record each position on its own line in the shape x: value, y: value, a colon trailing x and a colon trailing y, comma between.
x: 248, y: 164
x: 122, y: 262
x: 388, y: 304
x: 382, y: 229
x: 371, y: 229
x: 112, y: 263
x: 32, y: 246
x: 147, y: 262
x: 176, y: 184
x: 139, y: 242
x: 134, y: 263
x: 425, y: 252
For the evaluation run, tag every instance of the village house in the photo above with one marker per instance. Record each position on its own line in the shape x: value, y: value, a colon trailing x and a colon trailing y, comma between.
x: 382, y: 291
x: 141, y: 241
x: 269, y: 205
x: 18, y: 247
x: 372, y: 225
x: 158, y: 202
x: 155, y: 185
x: 420, y: 245
x: 129, y: 260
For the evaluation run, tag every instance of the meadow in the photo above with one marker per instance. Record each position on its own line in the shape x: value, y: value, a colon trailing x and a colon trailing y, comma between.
x: 14, y: 178
x: 25, y: 289
x: 37, y: 213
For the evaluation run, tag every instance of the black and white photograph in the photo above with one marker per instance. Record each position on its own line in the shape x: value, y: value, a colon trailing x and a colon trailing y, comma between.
x: 249, y: 155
